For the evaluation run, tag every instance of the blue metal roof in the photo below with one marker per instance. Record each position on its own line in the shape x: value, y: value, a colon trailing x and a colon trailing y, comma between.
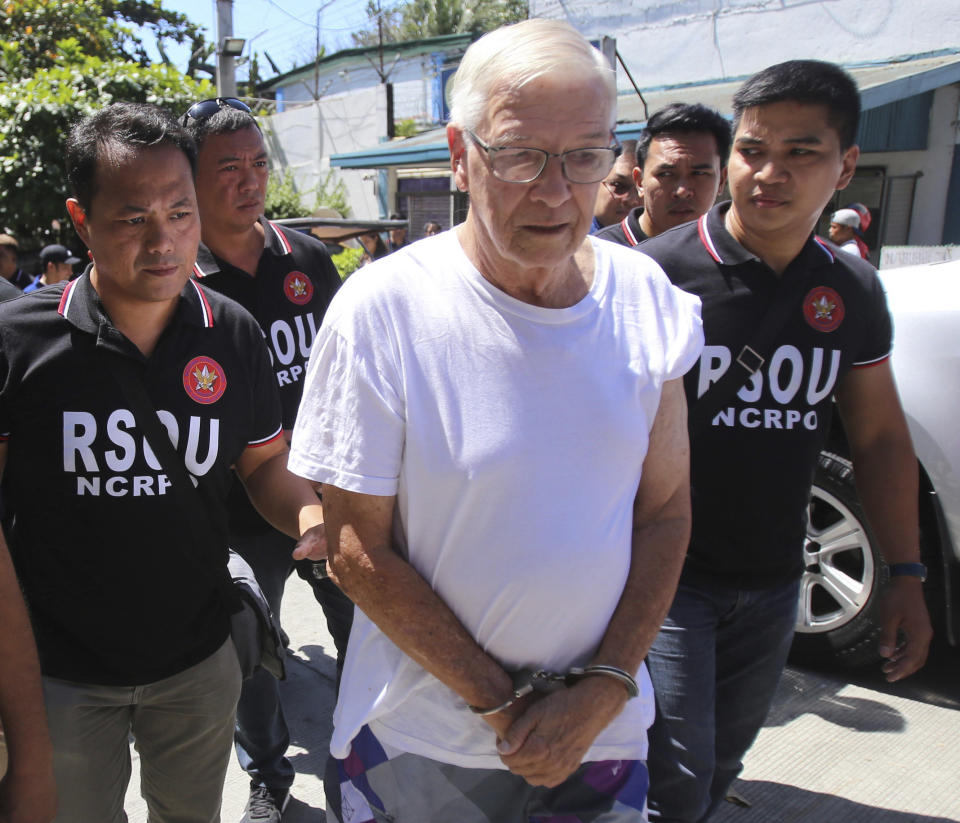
x: 393, y: 154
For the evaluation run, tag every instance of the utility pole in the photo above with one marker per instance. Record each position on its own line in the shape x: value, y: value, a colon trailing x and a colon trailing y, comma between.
x: 226, y: 76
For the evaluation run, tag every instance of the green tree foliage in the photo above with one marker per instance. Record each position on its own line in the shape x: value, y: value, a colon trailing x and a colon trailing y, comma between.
x: 164, y: 26
x: 347, y: 261
x: 38, y: 34
x: 60, y: 62
x: 419, y: 19
x: 285, y: 200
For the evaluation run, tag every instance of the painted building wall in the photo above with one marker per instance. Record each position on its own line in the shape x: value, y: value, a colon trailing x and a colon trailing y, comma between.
x: 411, y: 78
x: 933, y: 165
x: 303, y: 137
x: 341, y: 109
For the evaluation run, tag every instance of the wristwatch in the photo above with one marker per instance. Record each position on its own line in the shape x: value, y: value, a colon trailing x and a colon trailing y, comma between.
x: 908, y: 570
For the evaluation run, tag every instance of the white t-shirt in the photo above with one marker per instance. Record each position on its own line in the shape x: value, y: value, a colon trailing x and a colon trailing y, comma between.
x: 851, y: 247
x: 513, y: 438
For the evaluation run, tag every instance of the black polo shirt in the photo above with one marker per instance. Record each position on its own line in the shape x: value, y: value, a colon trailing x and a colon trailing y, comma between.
x: 752, y: 467
x: 627, y: 232
x: 295, y: 282
x: 97, y: 541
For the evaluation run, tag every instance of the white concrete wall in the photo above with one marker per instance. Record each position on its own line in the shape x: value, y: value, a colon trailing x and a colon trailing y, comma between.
x: 349, y: 116
x: 411, y: 78
x: 302, y: 138
x: 664, y: 43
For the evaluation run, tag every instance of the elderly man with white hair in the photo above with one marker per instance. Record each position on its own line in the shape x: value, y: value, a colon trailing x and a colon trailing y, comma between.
x: 497, y: 416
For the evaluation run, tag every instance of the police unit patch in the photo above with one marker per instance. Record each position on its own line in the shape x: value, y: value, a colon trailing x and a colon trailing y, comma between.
x: 204, y: 380
x: 823, y: 309
x: 298, y: 288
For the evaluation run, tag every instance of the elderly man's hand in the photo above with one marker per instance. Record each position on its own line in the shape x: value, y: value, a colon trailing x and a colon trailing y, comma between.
x: 546, y: 744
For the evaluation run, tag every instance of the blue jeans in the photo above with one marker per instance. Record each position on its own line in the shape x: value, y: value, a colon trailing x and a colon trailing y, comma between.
x: 715, y: 666
x: 262, y: 735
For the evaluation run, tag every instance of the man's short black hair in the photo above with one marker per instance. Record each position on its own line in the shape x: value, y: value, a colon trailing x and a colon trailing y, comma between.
x: 225, y: 121
x: 806, y: 81
x: 119, y: 128
x: 685, y: 118
x: 628, y: 149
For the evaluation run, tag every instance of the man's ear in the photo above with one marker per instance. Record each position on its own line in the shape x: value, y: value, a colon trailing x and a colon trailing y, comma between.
x: 723, y: 181
x: 638, y: 179
x: 458, y: 160
x: 79, y: 218
x: 848, y: 166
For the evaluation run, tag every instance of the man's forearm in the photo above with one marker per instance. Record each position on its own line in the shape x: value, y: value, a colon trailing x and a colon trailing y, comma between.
x: 658, y: 553
x: 661, y: 532
x: 402, y: 604
x: 21, y: 695
x: 283, y: 499
x: 886, y: 474
x: 887, y: 484
x: 885, y: 466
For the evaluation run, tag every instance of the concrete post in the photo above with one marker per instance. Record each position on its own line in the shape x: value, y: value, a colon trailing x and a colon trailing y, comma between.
x: 226, y: 77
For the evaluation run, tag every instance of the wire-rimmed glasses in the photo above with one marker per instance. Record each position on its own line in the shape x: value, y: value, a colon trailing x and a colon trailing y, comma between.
x: 522, y: 164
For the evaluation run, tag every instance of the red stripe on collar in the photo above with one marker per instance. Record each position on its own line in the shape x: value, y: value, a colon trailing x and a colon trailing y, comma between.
x: 205, y: 309
x: 823, y: 246
x: 628, y: 232
x: 706, y: 239
x: 65, y: 298
x: 287, y: 248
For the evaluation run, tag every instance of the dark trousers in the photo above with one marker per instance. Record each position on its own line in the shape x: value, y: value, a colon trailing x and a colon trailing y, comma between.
x: 262, y: 736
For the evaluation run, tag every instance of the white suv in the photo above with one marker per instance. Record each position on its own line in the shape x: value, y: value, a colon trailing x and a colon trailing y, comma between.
x: 844, y: 570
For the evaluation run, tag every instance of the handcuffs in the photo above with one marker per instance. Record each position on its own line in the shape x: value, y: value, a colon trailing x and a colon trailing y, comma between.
x: 526, y: 681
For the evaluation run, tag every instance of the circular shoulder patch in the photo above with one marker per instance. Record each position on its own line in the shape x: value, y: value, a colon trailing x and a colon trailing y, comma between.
x: 298, y: 288
x: 204, y: 380
x: 823, y: 308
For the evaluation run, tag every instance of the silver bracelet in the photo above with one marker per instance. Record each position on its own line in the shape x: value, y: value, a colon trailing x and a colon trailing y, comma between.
x: 633, y: 690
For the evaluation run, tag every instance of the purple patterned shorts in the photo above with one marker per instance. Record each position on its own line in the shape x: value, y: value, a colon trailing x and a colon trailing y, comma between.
x: 374, y: 786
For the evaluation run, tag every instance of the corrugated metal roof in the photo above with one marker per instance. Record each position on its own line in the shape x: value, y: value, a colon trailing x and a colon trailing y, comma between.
x: 879, y: 85
x: 362, y: 55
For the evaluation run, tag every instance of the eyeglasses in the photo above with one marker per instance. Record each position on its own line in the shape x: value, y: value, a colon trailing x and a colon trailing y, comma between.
x: 620, y: 189
x: 520, y: 164
x: 208, y: 108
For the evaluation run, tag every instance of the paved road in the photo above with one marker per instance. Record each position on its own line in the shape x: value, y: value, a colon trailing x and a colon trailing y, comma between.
x: 849, y: 747
x: 837, y: 748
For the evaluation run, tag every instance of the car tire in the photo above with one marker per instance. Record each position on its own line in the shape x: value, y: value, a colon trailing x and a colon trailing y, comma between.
x: 838, y: 616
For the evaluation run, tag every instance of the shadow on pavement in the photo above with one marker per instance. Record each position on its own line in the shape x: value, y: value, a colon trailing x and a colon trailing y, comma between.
x: 936, y: 684
x: 816, y: 690
x: 299, y: 812
x: 308, y: 694
x: 803, y: 692
x: 796, y: 805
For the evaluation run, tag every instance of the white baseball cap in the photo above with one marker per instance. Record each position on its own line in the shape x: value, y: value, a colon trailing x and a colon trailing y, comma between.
x: 846, y: 217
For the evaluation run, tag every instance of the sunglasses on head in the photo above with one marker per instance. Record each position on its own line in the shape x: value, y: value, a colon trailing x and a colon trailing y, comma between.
x: 208, y: 108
